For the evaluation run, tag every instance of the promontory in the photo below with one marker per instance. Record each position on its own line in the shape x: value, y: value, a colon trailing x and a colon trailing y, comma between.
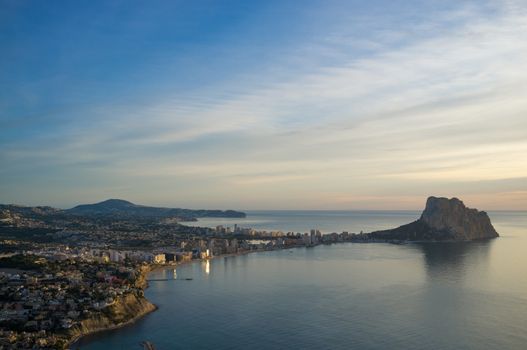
x: 442, y: 220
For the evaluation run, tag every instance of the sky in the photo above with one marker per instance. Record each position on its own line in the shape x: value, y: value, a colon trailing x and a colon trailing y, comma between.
x: 264, y: 104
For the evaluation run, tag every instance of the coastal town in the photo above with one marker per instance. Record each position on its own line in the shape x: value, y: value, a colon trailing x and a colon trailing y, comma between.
x: 44, y: 301
x: 65, y: 277
x: 263, y: 175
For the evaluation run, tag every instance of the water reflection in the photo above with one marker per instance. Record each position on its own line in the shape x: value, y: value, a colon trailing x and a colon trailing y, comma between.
x: 444, y: 262
x: 206, y: 266
x: 436, y: 295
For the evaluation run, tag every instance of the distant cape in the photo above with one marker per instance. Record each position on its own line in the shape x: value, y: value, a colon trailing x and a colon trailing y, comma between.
x: 124, y: 208
x: 118, y: 208
x: 442, y: 220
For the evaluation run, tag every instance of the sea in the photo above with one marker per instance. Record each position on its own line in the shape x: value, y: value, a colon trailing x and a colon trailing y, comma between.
x: 343, y: 296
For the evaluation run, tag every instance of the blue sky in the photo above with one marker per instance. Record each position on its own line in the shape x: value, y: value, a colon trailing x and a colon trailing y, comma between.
x: 264, y: 104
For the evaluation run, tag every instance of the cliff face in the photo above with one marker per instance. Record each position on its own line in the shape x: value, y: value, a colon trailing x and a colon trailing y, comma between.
x: 443, y: 219
x: 125, y: 310
x: 453, y: 216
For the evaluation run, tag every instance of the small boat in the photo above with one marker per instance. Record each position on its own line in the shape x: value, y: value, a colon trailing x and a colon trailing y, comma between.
x: 188, y: 279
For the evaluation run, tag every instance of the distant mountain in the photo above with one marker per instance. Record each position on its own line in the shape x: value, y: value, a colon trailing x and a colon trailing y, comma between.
x: 110, y: 206
x: 443, y: 220
x: 121, y: 207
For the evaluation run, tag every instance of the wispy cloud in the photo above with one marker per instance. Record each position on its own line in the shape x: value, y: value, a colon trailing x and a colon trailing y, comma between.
x: 442, y: 105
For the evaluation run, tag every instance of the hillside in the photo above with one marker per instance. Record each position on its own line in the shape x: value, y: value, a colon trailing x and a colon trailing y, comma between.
x: 112, y: 207
x: 121, y: 207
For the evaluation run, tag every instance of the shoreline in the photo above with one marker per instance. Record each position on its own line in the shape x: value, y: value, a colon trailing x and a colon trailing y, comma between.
x: 157, y: 267
x: 148, y: 308
x: 136, y: 318
x: 146, y: 271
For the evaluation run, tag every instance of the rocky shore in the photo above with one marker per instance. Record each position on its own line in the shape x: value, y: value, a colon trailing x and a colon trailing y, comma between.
x: 125, y: 310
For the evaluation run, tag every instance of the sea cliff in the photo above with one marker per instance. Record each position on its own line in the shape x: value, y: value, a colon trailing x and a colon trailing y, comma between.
x: 125, y: 310
x: 443, y: 219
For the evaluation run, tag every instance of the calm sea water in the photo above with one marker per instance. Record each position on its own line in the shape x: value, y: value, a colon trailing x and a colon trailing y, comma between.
x: 343, y: 296
x: 323, y: 220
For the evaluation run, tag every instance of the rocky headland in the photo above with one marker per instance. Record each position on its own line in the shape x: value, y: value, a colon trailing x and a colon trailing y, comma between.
x: 125, y: 310
x: 442, y: 220
x: 119, y: 207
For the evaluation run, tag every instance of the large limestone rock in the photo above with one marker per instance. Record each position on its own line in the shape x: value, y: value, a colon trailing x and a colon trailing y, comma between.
x: 443, y: 219
x: 453, y: 216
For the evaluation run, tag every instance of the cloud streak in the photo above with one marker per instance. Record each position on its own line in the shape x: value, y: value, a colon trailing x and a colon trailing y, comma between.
x: 443, y: 108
